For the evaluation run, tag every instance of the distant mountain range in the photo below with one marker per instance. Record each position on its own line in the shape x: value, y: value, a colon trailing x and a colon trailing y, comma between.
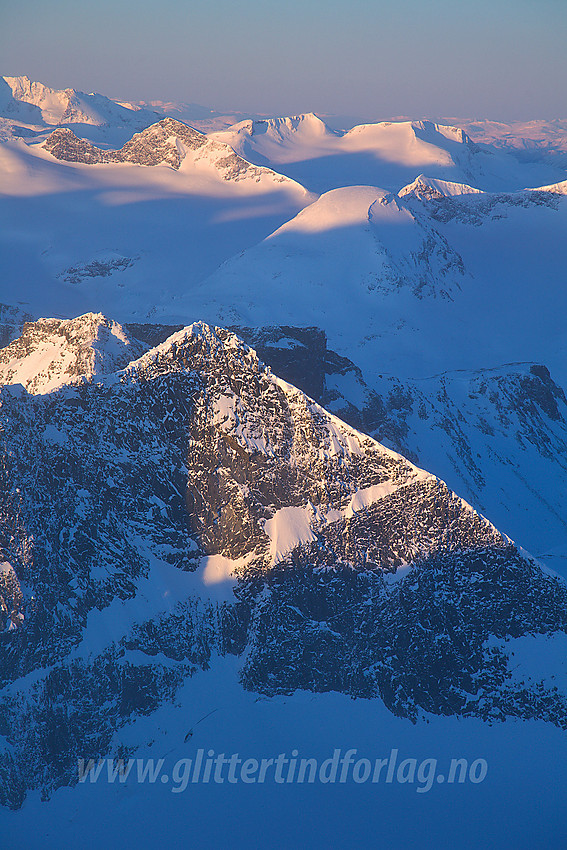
x: 32, y: 106
x: 386, y: 154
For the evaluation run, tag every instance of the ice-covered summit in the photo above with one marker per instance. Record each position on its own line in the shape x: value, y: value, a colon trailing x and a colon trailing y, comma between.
x: 52, y: 353
x: 427, y: 188
x: 36, y: 103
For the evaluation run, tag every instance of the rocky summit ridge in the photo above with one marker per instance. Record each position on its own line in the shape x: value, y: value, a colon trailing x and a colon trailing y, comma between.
x: 167, y: 142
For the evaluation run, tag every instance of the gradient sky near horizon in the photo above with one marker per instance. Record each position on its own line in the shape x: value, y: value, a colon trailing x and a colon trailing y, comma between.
x: 502, y: 59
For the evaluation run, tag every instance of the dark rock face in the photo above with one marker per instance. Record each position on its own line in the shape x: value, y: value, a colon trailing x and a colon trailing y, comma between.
x: 299, y: 355
x: 543, y: 392
x: 417, y: 644
x: 515, y: 416
x: 12, y: 320
x: 151, y: 334
x: 65, y: 145
x: 153, y: 146
x: 96, y: 268
x: 356, y: 571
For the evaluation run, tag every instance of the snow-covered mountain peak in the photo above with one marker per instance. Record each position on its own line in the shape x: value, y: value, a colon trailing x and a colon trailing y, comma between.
x: 23, y: 88
x: 342, y: 207
x: 553, y: 188
x: 280, y: 130
x: 427, y: 188
x: 51, y: 353
x: 387, y: 153
x: 38, y: 104
x: 206, y: 343
x: 167, y: 142
x: 335, y: 263
x: 271, y: 141
x: 305, y: 123
x: 352, y: 569
x: 430, y: 131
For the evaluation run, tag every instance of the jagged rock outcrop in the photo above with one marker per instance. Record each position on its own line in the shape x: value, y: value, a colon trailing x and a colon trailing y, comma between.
x: 153, y: 146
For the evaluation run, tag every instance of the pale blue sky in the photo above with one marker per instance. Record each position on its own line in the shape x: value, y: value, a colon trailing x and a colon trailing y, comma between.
x: 485, y: 58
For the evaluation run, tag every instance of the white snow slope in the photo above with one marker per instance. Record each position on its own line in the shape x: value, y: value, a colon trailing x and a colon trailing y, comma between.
x: 387, y: 154
x: 124, y: 238
x: 410, y: 284
x: 30, y: 108
x: 518, y: 806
